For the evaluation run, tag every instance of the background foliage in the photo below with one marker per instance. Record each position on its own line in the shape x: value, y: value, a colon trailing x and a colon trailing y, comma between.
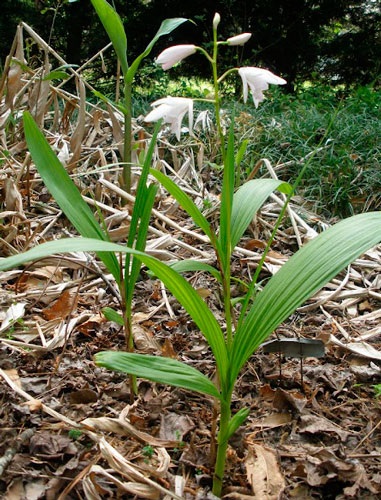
x: 299, y: 39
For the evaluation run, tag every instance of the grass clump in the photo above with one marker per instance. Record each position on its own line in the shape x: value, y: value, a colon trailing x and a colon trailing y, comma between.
x: 345, y: 177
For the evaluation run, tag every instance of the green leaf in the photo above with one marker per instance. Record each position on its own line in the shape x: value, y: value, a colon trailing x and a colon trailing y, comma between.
x: 238, y: 160
x: 113, y: 25
x: 64, y: 191
x: 236, y: 421
x: 56, y: 75
x: 105, y: 99
x: 186, y: 265
x: 248, y: 200
x: 300, y: 278
x: 158, y: 369
x: 185, y: 201
x: 166, y: 27
x: 179, y: 287
x: 111, y: 315
x: 141, y: 214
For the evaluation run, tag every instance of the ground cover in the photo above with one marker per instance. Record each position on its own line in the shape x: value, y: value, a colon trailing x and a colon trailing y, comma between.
x: 68, y: 429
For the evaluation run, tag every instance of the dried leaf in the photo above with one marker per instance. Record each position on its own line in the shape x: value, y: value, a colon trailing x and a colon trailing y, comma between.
x: 174, y: 426
x: 286, y: 400
x: 272, y: 421
x: 61, y: 308
x: 361, y: 348
x: 167, y: 350
x: 263, y: 473
x: 12, y: 315
x: 313, y: 425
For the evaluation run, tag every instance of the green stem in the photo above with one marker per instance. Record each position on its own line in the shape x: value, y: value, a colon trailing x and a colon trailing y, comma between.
x: 217, y: 104
x: 222, y: 445
x: 127, y: 137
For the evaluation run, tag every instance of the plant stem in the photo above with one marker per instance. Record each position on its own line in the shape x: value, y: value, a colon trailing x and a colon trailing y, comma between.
x: 222, y: 444
x: 126, y: 180
x: 217, y: 105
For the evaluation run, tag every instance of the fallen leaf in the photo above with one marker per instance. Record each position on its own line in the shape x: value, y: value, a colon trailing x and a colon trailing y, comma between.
x: 61, y: 308
x: 361, y: 348
x: 47, y: 445
x: 289, y: 400
x: 295, y: 347
x: 272, y: 421
x: 314, y: 425
x: 14, y: 313
x: 175, y: 427
x: 263, y: 473
x: 83, y: 396
x: 167, y: 350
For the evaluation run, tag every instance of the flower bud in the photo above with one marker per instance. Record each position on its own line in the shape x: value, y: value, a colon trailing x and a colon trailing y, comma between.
x: 216, y: 20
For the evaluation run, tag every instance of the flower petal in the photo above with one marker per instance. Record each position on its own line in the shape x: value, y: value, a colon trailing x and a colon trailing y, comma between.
x: 239, y: 39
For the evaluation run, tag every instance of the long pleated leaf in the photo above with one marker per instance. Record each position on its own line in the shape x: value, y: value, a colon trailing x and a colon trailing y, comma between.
x: 301, y: 277
x: 248, y: 200
x: 113, y: 25
x: 64, y: 191
x: 158, y: 369
x: 178, y: 286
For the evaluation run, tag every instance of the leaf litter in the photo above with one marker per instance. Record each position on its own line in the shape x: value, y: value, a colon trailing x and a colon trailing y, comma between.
x: 67, y: 429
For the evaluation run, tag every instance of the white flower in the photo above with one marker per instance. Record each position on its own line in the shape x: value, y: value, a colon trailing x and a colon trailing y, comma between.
x: 172, y: 55
x: 257, y: 80
x: 239, y: 39
x: 203, y: 121
x: 172, y: 110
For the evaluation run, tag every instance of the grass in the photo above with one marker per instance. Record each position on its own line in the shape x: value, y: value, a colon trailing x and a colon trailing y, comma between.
x: 344, y: 178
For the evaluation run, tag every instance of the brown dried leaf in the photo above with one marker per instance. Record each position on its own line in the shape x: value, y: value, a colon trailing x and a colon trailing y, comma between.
x: 272, y: 421
x: 77, y: 136
x: 286, y: 400
x: 91, y: 325
x: 13, y: 198
x: 174, y: 426
x: 167, y: 350
x: 144, y: 340
x: 61, y: 308
x: 313, y: 425
x: 263, y: 473
x: 83, y: 396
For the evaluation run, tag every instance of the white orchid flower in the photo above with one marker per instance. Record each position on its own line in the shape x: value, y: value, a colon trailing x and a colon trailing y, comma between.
x: 172, y: 110
x: 257, y: 80
x: 203, y: 121
x: 172, y: 55
x: 239, y: 39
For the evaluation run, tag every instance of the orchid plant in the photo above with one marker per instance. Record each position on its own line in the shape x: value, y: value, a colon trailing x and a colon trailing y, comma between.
x: 263, y: 309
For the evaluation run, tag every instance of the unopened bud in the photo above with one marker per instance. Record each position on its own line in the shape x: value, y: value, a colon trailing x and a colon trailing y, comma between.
x: 216, y: 20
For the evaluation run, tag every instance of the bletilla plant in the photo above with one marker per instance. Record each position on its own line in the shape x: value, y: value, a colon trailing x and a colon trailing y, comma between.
x: 263, y: 308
